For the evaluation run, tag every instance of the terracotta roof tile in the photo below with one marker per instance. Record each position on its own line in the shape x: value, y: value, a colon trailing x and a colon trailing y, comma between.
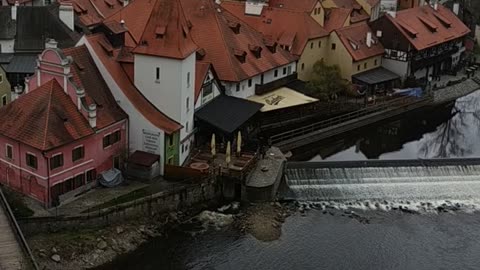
x: 277, y: 23
x: 354, y: 38
x: 425, y: 27
x: 221, y: 42
x: 357, y: 13
x: 297, y: 5
x: 201, y: 70
x: 141, y: 104
x: 96, y: 90
x: 49, y: 118
x: 166, y: 34
x: 336, y: 17
x: 93, y: 12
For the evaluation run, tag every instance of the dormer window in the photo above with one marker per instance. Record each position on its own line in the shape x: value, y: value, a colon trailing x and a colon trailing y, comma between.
x: 201, y: 54
x: 109, y: 3
x: 240, y: 55
x: 256, y: 50
x: 160, y: 31
x: 235, y: 26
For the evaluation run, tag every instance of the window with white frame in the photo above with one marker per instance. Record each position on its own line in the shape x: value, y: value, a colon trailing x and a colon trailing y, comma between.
x: 31, y: 160
x: 78, y: 153
x: 9, y: 151
x: 56, y: 161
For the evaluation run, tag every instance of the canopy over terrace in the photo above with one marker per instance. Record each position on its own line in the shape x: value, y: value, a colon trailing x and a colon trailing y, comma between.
x: 376, y: 80
x: 228, y: 114
x: 281, y: 98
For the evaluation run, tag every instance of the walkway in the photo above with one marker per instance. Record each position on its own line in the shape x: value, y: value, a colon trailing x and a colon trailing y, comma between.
x: 453, y: 92
x: 14, y: 250
x: 11, y: 256
x: 308, y: 134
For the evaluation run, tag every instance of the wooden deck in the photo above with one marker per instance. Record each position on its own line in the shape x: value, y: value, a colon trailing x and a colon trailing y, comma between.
x: 11, y: 253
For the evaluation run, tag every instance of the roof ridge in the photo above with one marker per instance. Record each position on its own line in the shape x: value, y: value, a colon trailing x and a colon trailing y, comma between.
x: 223, y: 38
x: 47, y: 118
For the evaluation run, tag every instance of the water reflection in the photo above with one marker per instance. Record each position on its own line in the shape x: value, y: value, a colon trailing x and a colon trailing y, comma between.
x: 441, y: 132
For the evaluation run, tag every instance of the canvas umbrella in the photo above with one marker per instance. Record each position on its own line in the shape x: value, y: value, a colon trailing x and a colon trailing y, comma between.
x: 239, y: 142
x: 228, y: 153
x: 212, y: 146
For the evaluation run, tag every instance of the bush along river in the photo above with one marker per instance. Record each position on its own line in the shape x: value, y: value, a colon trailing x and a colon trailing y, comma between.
x: 415, y: 230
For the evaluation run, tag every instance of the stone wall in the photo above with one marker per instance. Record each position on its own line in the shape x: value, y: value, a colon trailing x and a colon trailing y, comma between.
x: 147, y: 206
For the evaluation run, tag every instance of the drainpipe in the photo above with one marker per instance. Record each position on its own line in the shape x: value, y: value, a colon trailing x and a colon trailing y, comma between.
x: 48, y: 180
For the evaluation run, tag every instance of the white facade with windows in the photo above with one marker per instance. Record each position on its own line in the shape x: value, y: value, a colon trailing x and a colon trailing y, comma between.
x: 246, y: 88
x: 210, y: 90
x: 169, y: 85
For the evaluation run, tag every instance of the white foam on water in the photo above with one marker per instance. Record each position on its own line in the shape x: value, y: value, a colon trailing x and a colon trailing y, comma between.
x: 214, y: 219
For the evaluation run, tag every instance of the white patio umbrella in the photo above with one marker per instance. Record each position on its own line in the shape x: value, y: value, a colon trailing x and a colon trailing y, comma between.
x: 228, y: 153
x: 212, y: 146
x: 239, y: 142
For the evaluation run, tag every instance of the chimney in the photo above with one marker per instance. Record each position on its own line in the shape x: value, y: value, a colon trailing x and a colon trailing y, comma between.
x: 14, y: 11
x: 435, y: 5
x: 92, y: 115
x: 18, y: 90
x: 456, y: 8
x: 369, y: 39
x: 66, y: 14
x: 379, y: 34
x: 126, y: 2
x: 51, y: 44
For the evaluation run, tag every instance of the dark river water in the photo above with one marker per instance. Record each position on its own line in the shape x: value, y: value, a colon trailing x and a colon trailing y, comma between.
x: 392, y: 239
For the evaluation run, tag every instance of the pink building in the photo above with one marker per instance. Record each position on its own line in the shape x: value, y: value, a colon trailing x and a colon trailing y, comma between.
x: 63, y: 131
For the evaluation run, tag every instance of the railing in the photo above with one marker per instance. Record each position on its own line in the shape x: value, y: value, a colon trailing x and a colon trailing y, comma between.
x: 18, y: 232
x: 398, y: 102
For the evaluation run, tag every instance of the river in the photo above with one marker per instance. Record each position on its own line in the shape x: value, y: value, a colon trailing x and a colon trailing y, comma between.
x: 332, y: 240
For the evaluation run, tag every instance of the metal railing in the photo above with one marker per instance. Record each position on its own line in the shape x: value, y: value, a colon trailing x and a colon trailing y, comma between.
x: 392, y: 104
x: 18, y: 232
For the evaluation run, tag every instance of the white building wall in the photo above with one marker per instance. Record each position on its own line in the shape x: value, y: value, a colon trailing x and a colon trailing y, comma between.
x: 164, y: 93
x: 245, y: 91
x: 170, y: 92
x: 137, y: 123
x: 398, y: 67
x: 187, y: 110
x: 7, y: 45
x: 204, y: 99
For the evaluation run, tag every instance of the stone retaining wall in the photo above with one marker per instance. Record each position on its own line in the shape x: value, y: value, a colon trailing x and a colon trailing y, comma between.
x: 147, y: 206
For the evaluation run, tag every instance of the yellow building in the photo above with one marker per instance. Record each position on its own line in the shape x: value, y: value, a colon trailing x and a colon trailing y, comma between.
x: 354, y: 49
x: 5, y: 89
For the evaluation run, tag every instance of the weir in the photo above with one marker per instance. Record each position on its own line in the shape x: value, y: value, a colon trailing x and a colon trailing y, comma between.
x: 418, y: 180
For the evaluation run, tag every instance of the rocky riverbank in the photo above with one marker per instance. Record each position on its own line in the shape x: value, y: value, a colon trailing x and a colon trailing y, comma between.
x: 264, y: 221
x: 89, y: 248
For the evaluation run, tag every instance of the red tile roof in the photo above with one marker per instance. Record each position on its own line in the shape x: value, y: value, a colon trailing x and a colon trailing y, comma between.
x: 201, y: 71
x: 135, y: 24
x: 87, y: 76
x: 48, y: 118
x: 297, y: 5
x: 174, y: 39
x: 336, y: 17
x: 357, y: 13
x: 354, y: 37
x: 118, y: 73
x: 92, y: 12
x: 277, y: 23
x: 221, y: 42
x: 425, y: 27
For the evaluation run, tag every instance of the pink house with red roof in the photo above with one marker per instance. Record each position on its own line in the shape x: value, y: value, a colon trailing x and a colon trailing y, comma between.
x: 72, y: 129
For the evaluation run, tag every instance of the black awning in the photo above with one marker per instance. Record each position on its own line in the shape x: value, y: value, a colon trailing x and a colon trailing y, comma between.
x: 228, y: 113
x: 376, y: 76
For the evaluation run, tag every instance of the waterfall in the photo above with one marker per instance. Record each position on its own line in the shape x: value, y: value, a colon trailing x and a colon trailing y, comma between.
x: 416, y: 183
